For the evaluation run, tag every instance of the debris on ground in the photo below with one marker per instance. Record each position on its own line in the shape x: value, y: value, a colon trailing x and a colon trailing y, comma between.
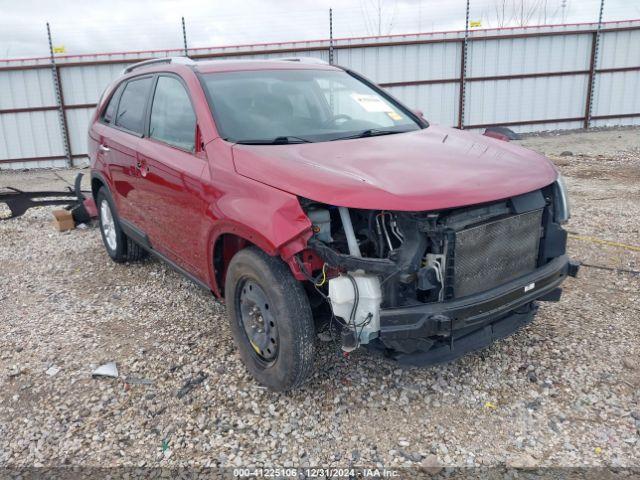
x: 80, y: 206
x: 107, y: 370
x: 191, y: 384
x: 63, y: 220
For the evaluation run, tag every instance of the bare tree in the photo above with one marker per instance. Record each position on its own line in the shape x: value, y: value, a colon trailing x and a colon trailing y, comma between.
x: 502, y: 10
x: 521, y: 12
x: 525, y: 10
x: 378, y: 15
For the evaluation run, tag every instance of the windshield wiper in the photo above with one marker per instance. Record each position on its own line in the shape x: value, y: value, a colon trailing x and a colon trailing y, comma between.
x: 371, y: 132
x: 284, y: 140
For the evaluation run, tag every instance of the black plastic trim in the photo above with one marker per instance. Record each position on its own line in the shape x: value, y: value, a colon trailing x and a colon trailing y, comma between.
x: 142, y: 239
x: 527, y: 202
x: 135, y: 234
x: 476, y: 340
x: 180, y: 270
x: 420, y: 320
x: 340, y: 260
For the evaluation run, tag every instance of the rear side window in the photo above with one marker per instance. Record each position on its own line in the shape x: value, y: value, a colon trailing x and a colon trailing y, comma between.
x: 173, y: 120
x: 132, y: 105
x: 110, y: 112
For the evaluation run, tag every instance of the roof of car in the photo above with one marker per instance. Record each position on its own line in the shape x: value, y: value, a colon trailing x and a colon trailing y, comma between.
x: 210, y: 66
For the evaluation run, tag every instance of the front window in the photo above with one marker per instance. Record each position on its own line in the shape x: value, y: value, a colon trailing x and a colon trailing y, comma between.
x: 173, y: 120
x: 292, y: 106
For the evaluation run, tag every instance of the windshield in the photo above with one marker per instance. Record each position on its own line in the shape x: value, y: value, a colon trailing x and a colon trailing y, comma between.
x: 296, y: 106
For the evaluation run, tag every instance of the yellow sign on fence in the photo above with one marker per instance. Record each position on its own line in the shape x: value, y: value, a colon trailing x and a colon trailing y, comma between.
x: 475, y: 24
x: 59, y: 49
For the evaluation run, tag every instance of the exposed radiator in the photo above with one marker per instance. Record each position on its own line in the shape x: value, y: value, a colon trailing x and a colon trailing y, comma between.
x: 496, y: 252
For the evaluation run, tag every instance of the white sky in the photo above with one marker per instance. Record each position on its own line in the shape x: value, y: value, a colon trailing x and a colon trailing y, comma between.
x: 121, y: 25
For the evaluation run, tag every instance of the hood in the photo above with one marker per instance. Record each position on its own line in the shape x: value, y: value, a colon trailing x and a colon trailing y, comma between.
x: 430, y: 169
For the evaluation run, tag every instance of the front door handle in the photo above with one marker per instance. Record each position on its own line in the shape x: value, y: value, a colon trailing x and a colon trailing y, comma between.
x: 104, y: 148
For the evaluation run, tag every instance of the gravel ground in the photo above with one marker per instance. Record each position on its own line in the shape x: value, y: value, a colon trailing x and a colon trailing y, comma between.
x: 563, y: 391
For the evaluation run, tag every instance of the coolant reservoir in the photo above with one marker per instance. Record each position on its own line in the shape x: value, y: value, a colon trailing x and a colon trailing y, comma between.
x: 367, y: 315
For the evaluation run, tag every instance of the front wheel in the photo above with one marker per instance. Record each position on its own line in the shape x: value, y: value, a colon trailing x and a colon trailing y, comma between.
x: 270, y: 319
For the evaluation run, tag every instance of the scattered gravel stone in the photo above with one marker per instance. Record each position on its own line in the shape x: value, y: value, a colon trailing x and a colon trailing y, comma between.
x: 522, y: 461
x: 431, y: 465
x: 65, y: 303
x: 194, y: 382
x: 138, y: 381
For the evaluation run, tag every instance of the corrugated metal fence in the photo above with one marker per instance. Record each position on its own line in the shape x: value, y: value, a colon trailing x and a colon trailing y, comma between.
x: 527, y: 78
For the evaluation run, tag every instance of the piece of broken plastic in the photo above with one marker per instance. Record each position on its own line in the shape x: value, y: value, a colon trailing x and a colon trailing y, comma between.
x: 106, y: 370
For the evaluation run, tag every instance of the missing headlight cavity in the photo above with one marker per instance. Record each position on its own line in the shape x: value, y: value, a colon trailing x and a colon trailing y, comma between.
x: 405, y: 259
x: 414, y: 253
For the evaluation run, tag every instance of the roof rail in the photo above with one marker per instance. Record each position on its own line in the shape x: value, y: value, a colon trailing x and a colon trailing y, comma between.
x: 314, y: 60
x: 154, y: 61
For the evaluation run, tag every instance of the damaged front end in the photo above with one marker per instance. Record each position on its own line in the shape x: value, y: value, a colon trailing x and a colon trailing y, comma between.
x: 427, y: 287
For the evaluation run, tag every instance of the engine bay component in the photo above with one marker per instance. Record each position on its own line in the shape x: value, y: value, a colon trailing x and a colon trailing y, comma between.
x: 352, y: 241
x: 410, y: 282
x: 321, y: 223
x: 355, y: 298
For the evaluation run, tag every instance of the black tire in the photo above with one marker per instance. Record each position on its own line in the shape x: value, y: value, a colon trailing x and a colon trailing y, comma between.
x: 288, y: 307
x: 125, y: 249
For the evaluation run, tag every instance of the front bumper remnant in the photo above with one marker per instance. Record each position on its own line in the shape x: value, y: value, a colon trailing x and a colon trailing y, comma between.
x: 439, y: 332
x: 463, y: 342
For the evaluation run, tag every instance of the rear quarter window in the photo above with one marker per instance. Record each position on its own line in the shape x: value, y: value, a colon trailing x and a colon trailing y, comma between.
x: 133, y: 101
x: 109, y: 113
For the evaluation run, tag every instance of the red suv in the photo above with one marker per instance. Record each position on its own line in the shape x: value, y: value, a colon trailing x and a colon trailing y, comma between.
x: 297, y: 190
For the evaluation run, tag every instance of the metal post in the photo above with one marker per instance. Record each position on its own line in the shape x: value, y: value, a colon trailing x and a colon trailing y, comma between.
x: 59, y: 102
x: 593, y: 63
x: 184, y: 38
x: 463, y: 71
x: 331, y: 36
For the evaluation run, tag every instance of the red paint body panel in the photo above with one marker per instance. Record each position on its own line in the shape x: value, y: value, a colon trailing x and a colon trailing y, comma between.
x: 185, y: 202
x: 430, y: 169
x: 171, y: 194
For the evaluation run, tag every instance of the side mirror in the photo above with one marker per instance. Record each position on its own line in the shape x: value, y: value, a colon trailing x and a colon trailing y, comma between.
x: 501, y: 133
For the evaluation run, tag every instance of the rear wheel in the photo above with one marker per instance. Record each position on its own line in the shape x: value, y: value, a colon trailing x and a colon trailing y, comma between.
x: 119, y: 247
x: 270, y: 318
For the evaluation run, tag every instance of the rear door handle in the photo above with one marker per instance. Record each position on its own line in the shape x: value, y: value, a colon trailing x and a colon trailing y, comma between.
x: 142, y: 166
x: 104, y: 148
